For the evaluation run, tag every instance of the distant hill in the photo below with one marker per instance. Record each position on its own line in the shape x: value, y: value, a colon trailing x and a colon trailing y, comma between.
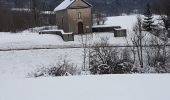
x: 111, y: 7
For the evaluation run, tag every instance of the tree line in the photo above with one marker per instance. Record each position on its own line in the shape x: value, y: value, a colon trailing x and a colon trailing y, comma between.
x: 110, y: 7
x: 19, y: 19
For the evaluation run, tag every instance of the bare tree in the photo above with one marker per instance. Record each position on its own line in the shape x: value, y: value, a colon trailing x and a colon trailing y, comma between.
x: 157, y: 55
x: 100, y: 18
x: 137, y: 40
x: 132, y: 48
x: 101, y: 57
x: 35, y: 11
x: 86, y: 45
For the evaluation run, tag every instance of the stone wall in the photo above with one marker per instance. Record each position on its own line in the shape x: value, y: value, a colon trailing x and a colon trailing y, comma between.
x: 120, y: 32
x: 62, y: 20
x: 86, y: 19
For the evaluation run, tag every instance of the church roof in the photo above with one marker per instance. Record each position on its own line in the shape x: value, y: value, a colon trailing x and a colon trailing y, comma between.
x: 66, y: 3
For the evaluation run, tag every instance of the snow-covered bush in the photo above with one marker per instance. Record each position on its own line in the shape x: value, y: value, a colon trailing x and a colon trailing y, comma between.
x: 107, y: 60
x: 158, y: 56
x: 123, y: 68
x: 61, y: 69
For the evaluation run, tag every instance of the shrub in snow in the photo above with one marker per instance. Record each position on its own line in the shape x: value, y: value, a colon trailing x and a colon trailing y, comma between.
x: 106, y: 60
x: 123, y: 68
x: 162, y: 67
x: 62, y: 69
x: 158, y: 55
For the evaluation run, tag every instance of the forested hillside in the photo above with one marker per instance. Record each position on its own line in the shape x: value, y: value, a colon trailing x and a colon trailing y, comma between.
x: 12, y: 20
x: 111, y: 7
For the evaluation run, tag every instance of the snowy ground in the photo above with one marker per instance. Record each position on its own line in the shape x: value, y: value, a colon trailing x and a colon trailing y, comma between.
x: 17, y: 64
x: 126, y: 22
x: 27, y: 40
x: 34, y: 40
x: 107, y: 87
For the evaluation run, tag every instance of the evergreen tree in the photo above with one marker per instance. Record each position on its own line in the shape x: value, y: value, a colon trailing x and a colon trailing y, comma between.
x: 148, y: 19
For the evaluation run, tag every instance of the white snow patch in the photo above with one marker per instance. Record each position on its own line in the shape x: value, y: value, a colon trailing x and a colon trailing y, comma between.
x: 125, y: 22
x: 107, y: 87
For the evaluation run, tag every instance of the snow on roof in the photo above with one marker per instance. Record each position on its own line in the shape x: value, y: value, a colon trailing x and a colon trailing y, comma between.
x: 119, y: 29
x: 64, y: 5
x: 67, y: 33
x: 98, y: 26
x: 57, y: 30
x: 105, y: 26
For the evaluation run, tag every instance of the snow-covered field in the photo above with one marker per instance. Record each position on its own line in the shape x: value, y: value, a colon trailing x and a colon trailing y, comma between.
x: 107, y: 87
x: 126, y: 22
x: 34, y: 40
x: 17, y: 64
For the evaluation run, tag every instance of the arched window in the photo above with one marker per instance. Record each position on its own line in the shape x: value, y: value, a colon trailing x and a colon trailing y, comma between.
x: 79, y: 15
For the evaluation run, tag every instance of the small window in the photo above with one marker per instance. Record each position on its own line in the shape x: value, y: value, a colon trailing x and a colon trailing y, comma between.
x: 79, y: 15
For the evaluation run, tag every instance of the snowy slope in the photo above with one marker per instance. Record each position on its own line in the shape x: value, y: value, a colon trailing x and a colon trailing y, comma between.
x: 126, y: 22
x: 107, y: 87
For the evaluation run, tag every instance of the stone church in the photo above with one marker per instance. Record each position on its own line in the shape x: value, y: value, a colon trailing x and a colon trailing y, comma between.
x: 74, y: 16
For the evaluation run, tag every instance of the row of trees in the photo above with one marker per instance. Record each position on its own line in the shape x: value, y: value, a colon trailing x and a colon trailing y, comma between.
x: 20, y: 19
x: 110, y: 7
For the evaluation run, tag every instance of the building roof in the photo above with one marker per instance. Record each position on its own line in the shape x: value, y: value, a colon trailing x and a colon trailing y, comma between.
x: 66, y: 3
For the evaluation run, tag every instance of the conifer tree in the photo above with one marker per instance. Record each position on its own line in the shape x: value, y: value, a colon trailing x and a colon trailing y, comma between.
x: 148, y: 19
